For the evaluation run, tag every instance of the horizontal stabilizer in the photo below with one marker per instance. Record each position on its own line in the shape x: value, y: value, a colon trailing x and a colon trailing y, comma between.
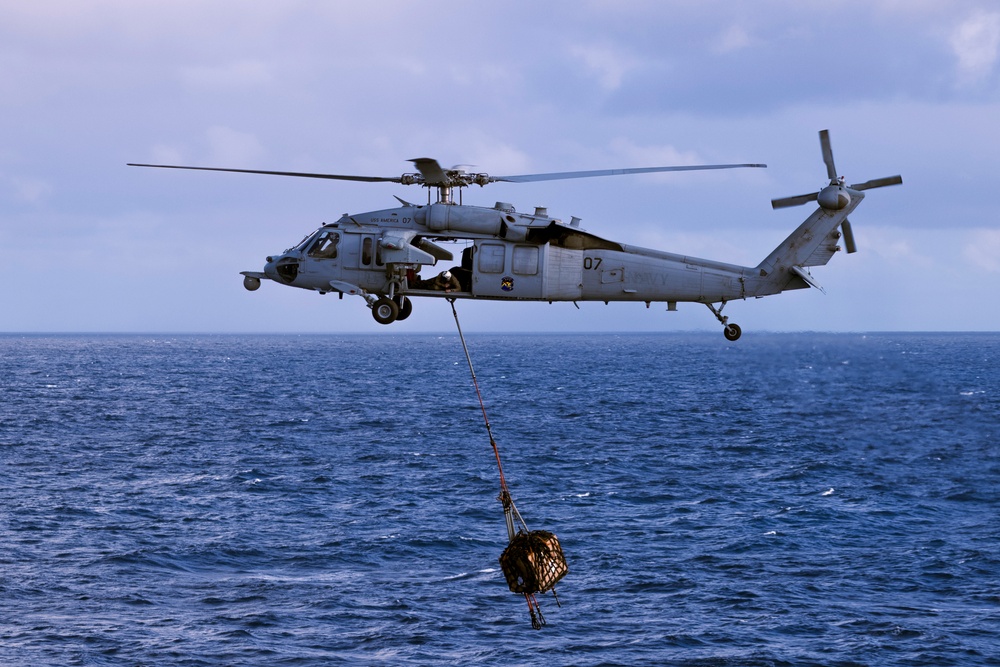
x: 806, y: 276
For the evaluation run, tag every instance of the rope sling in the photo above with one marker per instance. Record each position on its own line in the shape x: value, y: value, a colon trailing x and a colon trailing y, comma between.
x: 533, y: 561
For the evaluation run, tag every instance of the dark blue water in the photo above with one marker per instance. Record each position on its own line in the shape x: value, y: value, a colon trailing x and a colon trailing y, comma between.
x: 785, y: 500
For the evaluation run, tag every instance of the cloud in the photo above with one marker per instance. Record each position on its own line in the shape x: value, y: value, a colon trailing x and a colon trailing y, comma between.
x: 605, y: 62
x: 900, y: 249
x: 983, y: 250
x: 238, y: 74
x: 28, y: 190
x: 976, y: 45
x: 163, y: 154
x: 733, y: 38
x: 229, y: 147
x: 651, y: 155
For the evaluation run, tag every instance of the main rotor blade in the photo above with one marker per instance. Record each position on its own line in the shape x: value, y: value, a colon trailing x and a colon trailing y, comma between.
x: 556, y: 176
x: 878, y: 183
x: 336, y: 177
x: 824, y: 143
x: 433, y: 174
x: 431, y: 171
x: 797, y: 200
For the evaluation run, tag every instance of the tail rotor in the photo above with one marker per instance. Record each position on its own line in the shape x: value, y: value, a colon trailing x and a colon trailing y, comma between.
x: 836, y: 195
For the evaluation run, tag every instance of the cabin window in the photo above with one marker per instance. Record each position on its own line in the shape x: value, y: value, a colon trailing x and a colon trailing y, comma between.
x: 525, y: 260
x: 366, y: 251
x: 368, y: 245
x: 325, y: 246
x: 491, y: 257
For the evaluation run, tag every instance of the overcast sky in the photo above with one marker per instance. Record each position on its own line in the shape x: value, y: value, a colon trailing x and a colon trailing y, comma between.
x: 90, y: 245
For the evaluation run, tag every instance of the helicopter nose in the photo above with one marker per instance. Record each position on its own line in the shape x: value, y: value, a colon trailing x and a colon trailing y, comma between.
x: 283, y: 269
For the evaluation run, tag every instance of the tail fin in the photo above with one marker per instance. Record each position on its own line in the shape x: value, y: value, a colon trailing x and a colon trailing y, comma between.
x: 813, y: 243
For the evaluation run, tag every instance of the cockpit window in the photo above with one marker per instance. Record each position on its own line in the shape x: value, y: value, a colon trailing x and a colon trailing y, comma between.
x: 325, y: 246
x: 301, y: 245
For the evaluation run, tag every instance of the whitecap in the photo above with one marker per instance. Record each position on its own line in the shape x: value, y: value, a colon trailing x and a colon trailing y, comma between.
x: 828, y: 492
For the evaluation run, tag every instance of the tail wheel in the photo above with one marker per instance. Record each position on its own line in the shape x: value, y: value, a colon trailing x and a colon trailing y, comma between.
x: 385, y: 311
x: 732, y: 332
x: 405, y: 307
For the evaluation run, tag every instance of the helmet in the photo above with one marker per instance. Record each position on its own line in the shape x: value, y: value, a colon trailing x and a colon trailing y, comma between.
x: 446, y: 275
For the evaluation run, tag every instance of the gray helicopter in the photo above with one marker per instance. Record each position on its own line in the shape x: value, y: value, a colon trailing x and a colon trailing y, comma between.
x: 511, y: 255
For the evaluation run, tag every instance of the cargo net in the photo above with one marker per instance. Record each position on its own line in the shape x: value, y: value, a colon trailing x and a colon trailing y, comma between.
x: 532, y: 563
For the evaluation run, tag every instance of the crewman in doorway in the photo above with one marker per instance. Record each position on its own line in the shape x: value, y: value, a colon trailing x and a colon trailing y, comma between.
x: 446, y: 282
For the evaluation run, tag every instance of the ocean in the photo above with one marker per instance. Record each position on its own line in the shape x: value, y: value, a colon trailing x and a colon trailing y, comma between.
x: 788, y: 499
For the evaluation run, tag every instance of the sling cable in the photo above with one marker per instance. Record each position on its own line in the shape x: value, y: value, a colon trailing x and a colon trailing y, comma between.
x: 533, y: 561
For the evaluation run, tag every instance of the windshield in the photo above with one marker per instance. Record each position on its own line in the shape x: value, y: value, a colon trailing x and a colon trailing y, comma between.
x: 301, y: 245
x: 325, y: 246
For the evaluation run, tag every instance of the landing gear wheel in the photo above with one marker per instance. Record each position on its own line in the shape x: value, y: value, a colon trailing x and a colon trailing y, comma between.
x: 732, y: 332
x: 405, y: 307
x: 385, y: 311
x: 251, y: 283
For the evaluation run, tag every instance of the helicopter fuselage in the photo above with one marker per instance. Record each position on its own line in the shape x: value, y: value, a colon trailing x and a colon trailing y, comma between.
x: 384, y: 256
x: 509, y: 255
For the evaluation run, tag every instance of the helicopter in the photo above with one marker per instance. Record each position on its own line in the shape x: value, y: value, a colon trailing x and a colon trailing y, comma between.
x: 512, y: 255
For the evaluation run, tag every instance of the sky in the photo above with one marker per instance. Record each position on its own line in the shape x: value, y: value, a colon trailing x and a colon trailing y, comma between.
x: 908, y: 87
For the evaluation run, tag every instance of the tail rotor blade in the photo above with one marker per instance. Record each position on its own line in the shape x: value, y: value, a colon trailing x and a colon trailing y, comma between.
x: 824, y: 142
x: 849, y: 243
x: 797, y: 200
x: 878, y: 183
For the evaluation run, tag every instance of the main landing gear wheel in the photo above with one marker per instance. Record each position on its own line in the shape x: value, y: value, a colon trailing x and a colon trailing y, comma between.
x: 405, y: 307
x: 732, y: 332
x: 385, y: 311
